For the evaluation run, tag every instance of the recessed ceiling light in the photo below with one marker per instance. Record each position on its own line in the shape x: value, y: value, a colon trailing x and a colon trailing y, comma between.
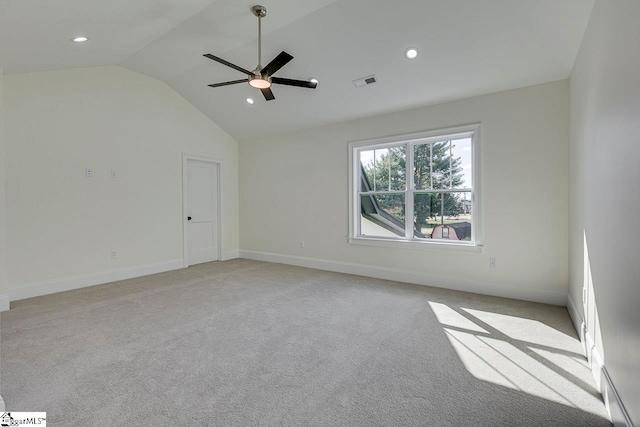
x: 249, y: 101
x: 80, y: 39
x: 411, y: 52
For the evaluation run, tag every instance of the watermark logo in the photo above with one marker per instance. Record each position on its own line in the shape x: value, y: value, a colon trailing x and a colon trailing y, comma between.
x: 9, y: 419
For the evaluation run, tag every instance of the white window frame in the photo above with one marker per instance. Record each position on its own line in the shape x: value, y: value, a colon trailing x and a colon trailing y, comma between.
x: 355, y: 147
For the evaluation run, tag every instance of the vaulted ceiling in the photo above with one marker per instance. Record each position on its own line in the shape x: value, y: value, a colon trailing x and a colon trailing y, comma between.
x: 466, y: 48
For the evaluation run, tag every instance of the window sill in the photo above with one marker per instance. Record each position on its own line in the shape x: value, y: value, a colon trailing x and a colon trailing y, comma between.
x: 413, y: 244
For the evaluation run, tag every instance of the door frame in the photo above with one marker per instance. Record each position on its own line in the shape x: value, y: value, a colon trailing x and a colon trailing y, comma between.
x: 185, y: 241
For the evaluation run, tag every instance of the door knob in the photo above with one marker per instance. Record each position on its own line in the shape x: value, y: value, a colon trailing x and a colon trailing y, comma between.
x: 188, y: 218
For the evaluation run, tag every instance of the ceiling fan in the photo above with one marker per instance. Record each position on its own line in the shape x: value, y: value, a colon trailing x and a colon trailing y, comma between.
x: 261, y: 78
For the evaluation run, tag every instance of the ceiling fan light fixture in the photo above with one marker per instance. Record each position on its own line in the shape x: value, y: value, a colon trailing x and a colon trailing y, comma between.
x: 260, y: 82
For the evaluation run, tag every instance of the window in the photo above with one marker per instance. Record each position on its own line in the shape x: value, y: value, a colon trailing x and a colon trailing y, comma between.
x: 416, y: 189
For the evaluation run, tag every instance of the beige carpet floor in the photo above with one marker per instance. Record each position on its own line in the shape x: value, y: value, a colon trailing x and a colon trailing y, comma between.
x: 246, y: 343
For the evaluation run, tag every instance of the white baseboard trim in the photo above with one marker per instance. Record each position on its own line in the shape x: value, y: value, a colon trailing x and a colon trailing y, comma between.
x: 230, y: 255
x: 595, y: 360
x: 617, y: 411
x: 4, y: 302
x: 578, y: 323
x: 548, y: 296
x: 615, y: 407
x: 81, y: 281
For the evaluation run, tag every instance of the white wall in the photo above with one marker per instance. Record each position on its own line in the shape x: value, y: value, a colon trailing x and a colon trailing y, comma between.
x: 3, y: 194
x: 604, y: 178
x: 62, y: 224
x: 4, y: 298
x: 294, y: 187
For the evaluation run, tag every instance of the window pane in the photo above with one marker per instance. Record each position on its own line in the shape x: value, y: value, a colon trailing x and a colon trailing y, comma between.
x: 382, y: 169
x: 421, y: 166
x: 366, y: 170
x: 461, y: 163
x: 440, y: 165
x: 397, y: 167
x: 443, y: 216
x: 382, y: 215
x: 426, y: 208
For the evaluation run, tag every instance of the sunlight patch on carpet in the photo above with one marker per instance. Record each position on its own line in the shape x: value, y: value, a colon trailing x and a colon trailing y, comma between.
x: 519, y: 353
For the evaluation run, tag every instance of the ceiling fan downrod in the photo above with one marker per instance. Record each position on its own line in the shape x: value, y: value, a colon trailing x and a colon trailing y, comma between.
x: 260, y: 12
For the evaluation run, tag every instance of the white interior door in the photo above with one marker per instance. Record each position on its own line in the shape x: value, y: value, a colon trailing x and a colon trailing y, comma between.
x: 202, y: 212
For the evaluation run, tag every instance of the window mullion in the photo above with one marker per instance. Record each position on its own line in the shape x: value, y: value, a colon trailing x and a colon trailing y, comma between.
x: 374, y: 171
x: 380, y: 192
x: 408, y: 193
x: 445, y: 190
x: 357, y: 183
x: 431, y: 165
x: 389, y: 158
x: 450, y: 164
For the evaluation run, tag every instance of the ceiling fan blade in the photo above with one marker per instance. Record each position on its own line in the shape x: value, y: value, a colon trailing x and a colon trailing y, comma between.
x: 227, y: 63
x: 268, y: 95
x: 233, y: 82
x: 278, y: 62
x: 291, y: 82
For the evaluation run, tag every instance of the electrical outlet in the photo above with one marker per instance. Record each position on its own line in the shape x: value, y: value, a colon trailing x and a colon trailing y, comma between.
x: 302, y: 244
x: 492, y: 263
x: 114, y: 174
x: 114, y: 255
x: 88, y: 172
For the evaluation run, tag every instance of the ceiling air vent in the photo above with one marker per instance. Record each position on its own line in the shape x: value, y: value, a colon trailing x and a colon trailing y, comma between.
x: 364, y: 81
